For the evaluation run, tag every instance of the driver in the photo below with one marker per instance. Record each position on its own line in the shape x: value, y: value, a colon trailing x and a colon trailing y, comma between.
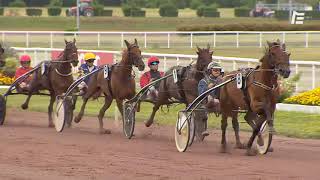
x: 25, y: 61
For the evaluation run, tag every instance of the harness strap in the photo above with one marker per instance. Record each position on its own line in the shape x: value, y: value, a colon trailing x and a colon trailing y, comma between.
x: 64, y: 75
x: 263, y: 86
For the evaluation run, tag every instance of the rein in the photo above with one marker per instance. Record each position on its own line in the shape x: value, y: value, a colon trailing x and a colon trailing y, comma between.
x: 65, y: 75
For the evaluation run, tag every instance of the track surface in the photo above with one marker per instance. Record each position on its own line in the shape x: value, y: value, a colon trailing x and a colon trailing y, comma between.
x: 30, y: 150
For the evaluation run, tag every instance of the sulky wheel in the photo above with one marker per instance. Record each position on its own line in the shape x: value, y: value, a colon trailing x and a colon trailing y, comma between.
x: 128, y: 119
x: 182, y: 132
x: 192, y: 128
x: 2, y: 109
x: 60, y: 115
x: 264, y: 138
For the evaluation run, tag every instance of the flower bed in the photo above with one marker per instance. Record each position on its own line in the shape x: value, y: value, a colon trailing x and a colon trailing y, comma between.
x: 307, y: 98
x: 5, y: 80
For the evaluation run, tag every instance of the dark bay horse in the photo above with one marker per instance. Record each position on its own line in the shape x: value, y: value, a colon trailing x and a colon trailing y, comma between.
x: 119, y: 86
x: 259, y: 97
x: 186, y: 89
x: 57, y: 77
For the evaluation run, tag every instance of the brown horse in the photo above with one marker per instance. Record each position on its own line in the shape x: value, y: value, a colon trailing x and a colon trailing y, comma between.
x: 185, y: 90
x: 259, y: 95
x: 57, y: 77
x: 119, y: 86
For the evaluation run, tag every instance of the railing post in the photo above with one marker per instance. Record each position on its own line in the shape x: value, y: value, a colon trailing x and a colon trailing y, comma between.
x: 98, y: 40
x: 297, y: 71
x: 283, y: 37
x: 237, y: 39
x: 164, y: 63
x: 214, y: 39
x: 2, y: 37
x: 307, y: 39
x: 168, y: 40
x: 27, y: 39
x: 145, y: 40
x: 51, y: 40
x: 313, y: 76
x: 234, y: 65
x: 260, y: 39
x: 191, y: 40
x: 121, y: 43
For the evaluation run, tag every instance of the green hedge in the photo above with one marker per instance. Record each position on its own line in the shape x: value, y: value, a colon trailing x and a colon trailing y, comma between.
x: 138, y: 13
x: 133, y: 11
x: 252, y: 27
x: 168, y: 10
x: 54, y: 11
x: 242, y: 12
x: 1, y: 11
x: 210, y: 14
x: 34, y: 12
x: 314, y: 15
x: 17, y: 3
x: 98, y: 10
x: 282, y: 14
x: 107, y: 12
x: 208, y: 11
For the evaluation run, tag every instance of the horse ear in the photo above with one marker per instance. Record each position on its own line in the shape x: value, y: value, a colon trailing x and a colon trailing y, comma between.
x: 135, y: 41
x: 127, y: 43
x: 65, y: 41
x: 211, y: 53
x: 289, y: 54
x: 278, y: 41
x: 74, y: 40
x: 284, y: 47
x: 198, y: 49
x: 269, y: 44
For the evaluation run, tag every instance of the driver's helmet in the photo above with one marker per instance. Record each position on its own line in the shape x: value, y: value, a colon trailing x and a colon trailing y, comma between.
x: 214, y: 65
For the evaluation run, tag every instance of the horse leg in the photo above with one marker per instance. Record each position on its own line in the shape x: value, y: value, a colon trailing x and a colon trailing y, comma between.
x: 32, y: 89
x: 106, y: 105
x: 224, y: 124
x: 255, y: 132
x: 86, y: 97
x: 235, y: 125
x: 50, y: 109
x: 151, y: 118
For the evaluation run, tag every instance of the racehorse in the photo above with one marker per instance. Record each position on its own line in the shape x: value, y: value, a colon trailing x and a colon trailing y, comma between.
x: 119, y: 85
x: 258, y: 97
x: 185, y: 90
x: 56, y: 78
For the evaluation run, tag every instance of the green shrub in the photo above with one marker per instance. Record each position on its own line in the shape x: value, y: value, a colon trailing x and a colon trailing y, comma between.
x: 211, y: 13
x: 17, y: 3
x: 180, y: 4
x: 1, y: 11
x: 195, y: 4
x: 107, y: 12
x: 282, y: 14
x: 314, y: 15
x: 208, y: 10
x: 10, y: 66
x: 168, y: 10
x: 242, y: 12
x: 34, y: 12
x: 55, y: 3
x: 54, y: 11
x: 138, y: 13
x: 152, y: 4
x: 98, y: 10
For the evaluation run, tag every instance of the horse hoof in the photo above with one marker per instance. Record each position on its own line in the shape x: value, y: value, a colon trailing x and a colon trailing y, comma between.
x: 240, y: 146
x: 148, y: 123
x: 105, y: 131
x: 77, y: 119
x: 223, y: 148
x: 51, y: 125
x: 24, y: 106
x: 251, y: 152
x: 270, y: 149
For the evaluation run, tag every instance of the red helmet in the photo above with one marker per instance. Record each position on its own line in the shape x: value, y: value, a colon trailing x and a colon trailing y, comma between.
x: 153, y: 59
x: 25, y: 58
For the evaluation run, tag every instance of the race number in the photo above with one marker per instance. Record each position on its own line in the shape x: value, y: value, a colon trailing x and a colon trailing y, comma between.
x: 239, y: 80
x: 175, y: 76
x: 106, y: 71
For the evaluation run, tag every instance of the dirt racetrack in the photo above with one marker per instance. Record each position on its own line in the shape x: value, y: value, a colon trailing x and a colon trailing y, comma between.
x: 30, y: 150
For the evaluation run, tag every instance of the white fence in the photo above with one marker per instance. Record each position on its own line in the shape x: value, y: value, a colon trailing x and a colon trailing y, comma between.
x: 174, y: 39
x: 309, y: 70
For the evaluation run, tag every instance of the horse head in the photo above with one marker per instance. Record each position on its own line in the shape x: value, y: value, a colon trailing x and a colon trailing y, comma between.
x: 134, y: 55
x: 71, y: 52
x: 278, y: 58
x: 204, y: 58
